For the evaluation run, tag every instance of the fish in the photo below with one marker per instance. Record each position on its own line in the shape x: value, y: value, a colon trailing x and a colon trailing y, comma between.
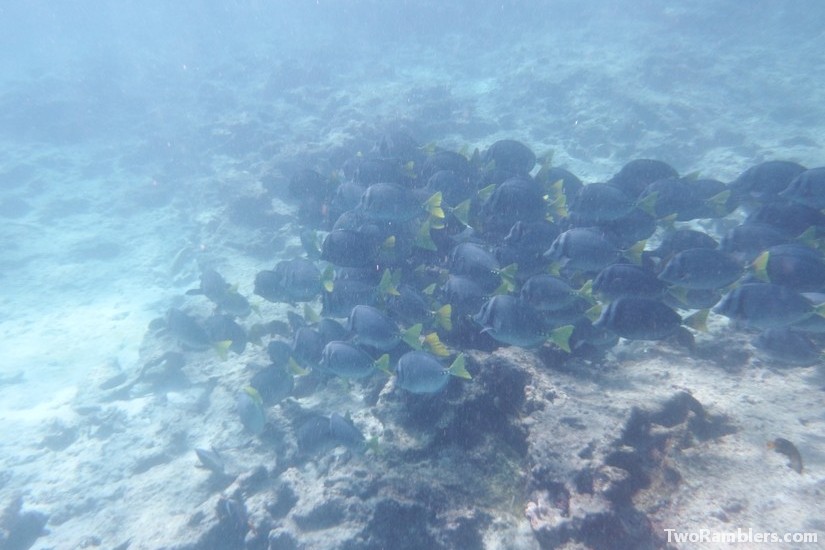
x: 421, y: 372
x: 626, y: 231
x: 373, y: 170
x: 410, y: 305
x: 374, y: 328
x: 211, y: 460
x: 314, y: 435
x: 463, y: 294
x: 274, y: 383
x: 349, y: 361
x: 387, y: 202
x: 279, y: 351
x: 583, y: 249
x: 223, y: 328
x: 221, y: 293
x: 678, y: 199
x: 472, y: 261
x: 307, y: 346
x: 249, y: 406
x: 763, y: 182
x: 350, y: 248
x: 512, y: 321
x: 618, y: 280
x: 793, y: 265
x: 531, y: 238
x: 290, y: 281
x: 785, y: 447
x: 793, y: 219
x: 746, y: 241
x: 636, y: 318
x: 516, y: 199
x: 454, y: 188
x: 688, y: 298
x: 550, y: 175
x: 807, y: 188
x: 547, y: 293
x: 639, y: 173
x: 445, y: 160
x: 766, y: 305
x: 599, y: 203
x: 701, y: 269
x: 345, y: 295
x: 788, y: 346
x: 510, y: 156
x: 678, y: 240
x: 344, y: 432
x: 190, y: 333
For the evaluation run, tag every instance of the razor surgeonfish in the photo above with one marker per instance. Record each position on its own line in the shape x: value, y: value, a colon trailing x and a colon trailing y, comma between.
x: 374, y: 328
x: 701, y: 269
x: 793, y: 265
x: 290, y: 281
x: 807, y: 188
x: 640, y: 319
x: 421, y: 372
x: 348, y: 361
x: 766, y: 305
x: 511, y: 321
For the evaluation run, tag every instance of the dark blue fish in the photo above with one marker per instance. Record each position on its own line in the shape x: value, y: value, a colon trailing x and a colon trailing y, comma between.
x: 387, y: 202
x: 344, y: 432
x: 583, y: 249
x: 372, y: 170
x: 511, y: 321
x: 511, y: 156
x: 617, y: 280
x: 222, y: 328
x: 273, y: 383
x: 599, y: 203
x: 350, y: 248
x: 793, y: 265
x: 792, y: 219
x: 745, y: 242
x: 701, y: 269
x: 640, y: 319
x: 788, y: 346
x: 763, y: 182
x: 219, y: 292
x: 374, y: 328
x: 445, y: 160
x: 766, y: 305
x: 348, y: 361
x: 421, y: 372
x: 517, y: 199
x: 290, y: 281
x: 463, y: 294
x: 307, y: 345
x: 807, y: 188
x: 637, y: 226
x: 472, y: 261
x: 346, y: 294
x: 677, y: 240
x: 638, y: 174
x: 454, y: 188
x: 187, y: 331
x: 547, y: 293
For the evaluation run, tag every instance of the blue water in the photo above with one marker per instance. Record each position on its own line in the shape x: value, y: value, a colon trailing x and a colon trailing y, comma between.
x: 128, y: 131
